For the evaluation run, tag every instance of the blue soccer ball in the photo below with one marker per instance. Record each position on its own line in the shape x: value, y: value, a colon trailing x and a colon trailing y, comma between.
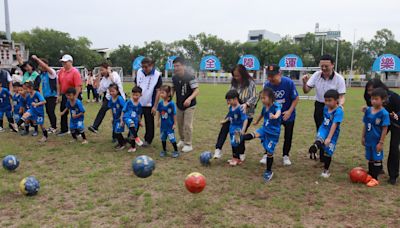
x: 143, y: 166
x: 29, y: 186
x: 205, y: 158
x: 10, y: 162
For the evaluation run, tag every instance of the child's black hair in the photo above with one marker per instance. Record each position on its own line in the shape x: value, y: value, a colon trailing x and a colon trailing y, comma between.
x: 379, y: 92
x: 71, y: 90
x: 29, y: 85
x: 17, y: 84
x: 332, y: 93
x: 180, y: 60
x: 269, y: 93
x: 168, y: 90
x: 137, y: 89
x: 232, y: 94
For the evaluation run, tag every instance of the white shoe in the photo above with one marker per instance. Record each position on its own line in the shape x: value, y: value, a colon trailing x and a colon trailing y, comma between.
x: 325, y: 174
x: 180, y: 144
x: 286, y: 161
x: 242, y: 157
x: 217, y: 154
x: 2, y: 129
x: 132, y: 150
x: 187, y: 148
x: 264, y: 159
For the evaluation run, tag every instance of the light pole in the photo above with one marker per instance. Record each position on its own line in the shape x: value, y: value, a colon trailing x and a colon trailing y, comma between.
x: 337, y: 53
x: 322, y: 46
x: 7, y: 20
x: 352, y: 53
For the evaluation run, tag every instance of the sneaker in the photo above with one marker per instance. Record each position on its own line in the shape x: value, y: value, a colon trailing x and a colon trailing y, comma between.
x: 119, y: 147
x: 268, y: 176
x: 313, y: 151
x: 2, y: 129
x: 180, y: 143
x: 14, y: 127
x: 43, y: 139
x: 264, y: 160
x: 217, y: 153
x: 132, y: 150
x: 235, y: 162
x: 145, y: 144
x: 175, y: 154
x: 92, y: 129
x: 60, y: 134
x: 187, y: 148
x: 85, y: 142
x: 51, y: 130
x: 242, y: 157
x: 138, y: 141
x: 373, y: 182
x: 392, y: 181
x: 35, y: 133
x: 163, y: 154
x: 286, y: 161
x: 325, y: 174
x: 93, y: 100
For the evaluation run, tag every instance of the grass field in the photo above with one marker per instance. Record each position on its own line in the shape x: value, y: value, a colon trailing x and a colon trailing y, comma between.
x: 93, y: 186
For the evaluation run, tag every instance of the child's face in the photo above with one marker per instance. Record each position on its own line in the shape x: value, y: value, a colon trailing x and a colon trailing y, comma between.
x: 16, y: 89
x: 231, y: 101
x: 21, y: 90
x: 29, y: 90
x: 265, y: 99
x: 163, y: 94
x: 330, y: 102
x: 376, y: 101
x: 136, y: 96
x: 70, y: 96
x: 113, y: 92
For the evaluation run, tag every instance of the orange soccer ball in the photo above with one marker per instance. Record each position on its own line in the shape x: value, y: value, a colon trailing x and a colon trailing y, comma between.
x: 195, y: 182
x: 358, y: 175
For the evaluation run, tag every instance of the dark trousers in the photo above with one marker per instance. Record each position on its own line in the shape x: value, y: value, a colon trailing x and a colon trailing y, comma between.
x: 223, y: 133
x: 101, y: 114
x: 393, y: 159
x: 51, y: 103
x: 238, y: 150
x: 89, y: 89
x: 287, y: 144
x: 64, y: 118
x: 149, y: 124
x: 318, y: 119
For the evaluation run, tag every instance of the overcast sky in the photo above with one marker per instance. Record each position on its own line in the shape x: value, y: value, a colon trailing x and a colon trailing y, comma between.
x: 108, y: 23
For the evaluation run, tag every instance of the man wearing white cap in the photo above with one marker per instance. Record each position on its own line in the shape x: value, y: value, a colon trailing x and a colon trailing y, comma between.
x: 68, y: 77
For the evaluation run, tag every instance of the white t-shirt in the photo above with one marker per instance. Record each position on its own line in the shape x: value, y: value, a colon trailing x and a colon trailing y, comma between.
x: 148, y: 84
x: 322, y: 85
x: 106, y: 82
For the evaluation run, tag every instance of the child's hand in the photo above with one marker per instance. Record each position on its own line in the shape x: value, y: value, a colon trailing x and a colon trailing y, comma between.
x: 272, y: 116
x: 327, y: 141
x: 256, y: 123
x: 243, y: 131
x: 363, y: 141
x: 140, y: 124
x: 379, y: 147
x: 34, y: 104
x: 121, y: 123
x: 394, y: 116
x: 173, y: 127
x: 74, y: 116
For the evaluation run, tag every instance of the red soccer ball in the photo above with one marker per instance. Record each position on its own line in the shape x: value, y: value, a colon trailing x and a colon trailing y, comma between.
x: 358, y: 175
x: 195, y: 182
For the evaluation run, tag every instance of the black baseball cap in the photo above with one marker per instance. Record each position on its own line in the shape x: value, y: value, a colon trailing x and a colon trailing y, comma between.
x: 273, y: 69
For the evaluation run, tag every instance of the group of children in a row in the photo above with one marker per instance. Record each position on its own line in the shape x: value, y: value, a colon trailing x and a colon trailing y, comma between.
x: 376, y: 121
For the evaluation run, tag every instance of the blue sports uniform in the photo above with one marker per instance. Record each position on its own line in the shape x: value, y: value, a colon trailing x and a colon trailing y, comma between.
x: 116, y: 108
x: 335, y: 116
x: 76, y: 124
x: 373, y: 131
x: 236, y: 117
x: 285, y: 94
x: 5, y: 105
x: 37, y: 113
x: 132, y: 113
x: 17, y: 106
x: 167, y: 113
x: 271, y: 129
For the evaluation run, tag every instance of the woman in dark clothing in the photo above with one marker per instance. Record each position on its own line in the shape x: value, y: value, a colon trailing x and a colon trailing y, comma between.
x: 392, y: 105
x: 244, y: 84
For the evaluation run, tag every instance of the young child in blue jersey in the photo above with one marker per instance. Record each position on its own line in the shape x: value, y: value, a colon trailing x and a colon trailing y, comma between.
x: 6, y: 108
x: 271, y: 129
x: 166, y: 116
x: 376, y: 122
x: 328, y: 132
x: 131, y: 115
x: 116, y: 104
x: 237, y: 128
x: 16, y: 98
x: 35, y: 113
x: 77, y: 111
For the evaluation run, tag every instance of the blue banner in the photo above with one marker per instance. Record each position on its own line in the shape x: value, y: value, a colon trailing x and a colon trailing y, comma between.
x: 169, y: 65
x: 386, y: 63
x: 291, y: 60
x: 210, y: 62
x: 250, y: 62
x: 137, y: 63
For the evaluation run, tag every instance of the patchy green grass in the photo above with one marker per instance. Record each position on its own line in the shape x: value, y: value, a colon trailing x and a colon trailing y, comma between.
x: 92, y: 185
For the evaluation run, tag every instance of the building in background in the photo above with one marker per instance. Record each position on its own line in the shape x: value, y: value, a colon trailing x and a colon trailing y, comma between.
x: 258, y: 35
x: 325, y: 34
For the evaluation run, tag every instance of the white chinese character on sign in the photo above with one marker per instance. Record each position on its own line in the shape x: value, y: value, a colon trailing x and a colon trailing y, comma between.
x: 210, y: 64
x: 387, y: 63
x: 290, y: 62
x: 248, y: 62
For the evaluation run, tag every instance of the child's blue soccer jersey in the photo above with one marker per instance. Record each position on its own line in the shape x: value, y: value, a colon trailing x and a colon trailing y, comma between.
x: 167, y: 113
x: 17, y: 105
x: 132, y: 112
x: 335, y: 116
x: 373, y: 131
x: 36, y: 98
x: 116, y: 107
x: 271, y: 129
x: 236, y: 117
x: 5, y: 104
x: 77, y: 108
